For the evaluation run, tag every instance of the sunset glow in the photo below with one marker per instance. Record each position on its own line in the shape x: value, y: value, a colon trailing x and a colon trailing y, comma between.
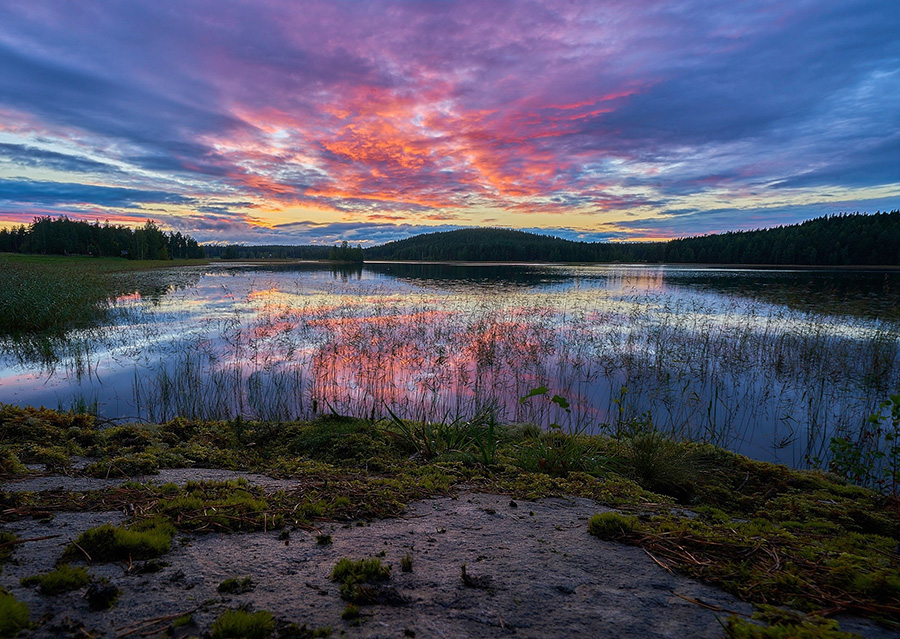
x: 291, y: 123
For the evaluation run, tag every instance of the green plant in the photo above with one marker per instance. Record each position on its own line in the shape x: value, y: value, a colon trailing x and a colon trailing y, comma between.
x: 655, y: 461
x: 611, y: 525
x: 356, y: 578
x: 8, y: 542
x: 64, y: 579
x: 323, y: 539
x: 350, y: 612
x: 10, y: 464
x: 106, y: 543
x: 13, y: 615
x: 871, y: 457
x: 240, y: 624
x: 236, y: 586
x: 406, y: 564
x: 775, y: 623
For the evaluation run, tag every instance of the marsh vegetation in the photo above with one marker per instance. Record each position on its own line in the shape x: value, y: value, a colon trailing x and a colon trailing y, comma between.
x: 786, y: 366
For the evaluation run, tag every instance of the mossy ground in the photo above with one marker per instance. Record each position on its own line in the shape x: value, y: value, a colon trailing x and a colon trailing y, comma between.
x: 770, y: 535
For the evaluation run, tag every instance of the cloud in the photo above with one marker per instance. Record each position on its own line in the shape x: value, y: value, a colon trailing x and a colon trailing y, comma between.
x: 410, y: 111
x: 53, y: 193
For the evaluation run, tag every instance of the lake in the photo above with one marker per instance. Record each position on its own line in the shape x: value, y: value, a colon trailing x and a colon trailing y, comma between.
x: 770, y: 363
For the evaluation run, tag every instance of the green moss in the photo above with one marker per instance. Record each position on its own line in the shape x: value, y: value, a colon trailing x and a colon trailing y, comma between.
x: 144, y: 540
x: 350, y: 612
x: 236, y: 586
x: 223, y: 506
x: 240, y: 624
x: 64, y: 579
x: 406, y: 564
x: 764, y: 532
x: 611, y: 525
x: 10, y: 463
x: 13, y: 615
x: 7, y: 545
x: 773, y: 623
x: 124, y: 466
x: 356, y: 578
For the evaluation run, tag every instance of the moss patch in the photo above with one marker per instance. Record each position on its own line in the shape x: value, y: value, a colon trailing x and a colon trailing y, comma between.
x: 106, y: 543
x: 240, y: 624
x: 64, y: 579
x: 13, y: 615
x: 611, y: 525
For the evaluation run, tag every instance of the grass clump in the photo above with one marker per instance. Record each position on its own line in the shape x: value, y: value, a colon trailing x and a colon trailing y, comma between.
x: 359, y: 579
x: 64, y: 579
x: 236, y: 585
x: 406, y: 564
x: 13, y: 615
x: 240, y: 624
x: 557, y: 454
x: 656, y: 462
x: 611, y: 525
x: 107, y: 543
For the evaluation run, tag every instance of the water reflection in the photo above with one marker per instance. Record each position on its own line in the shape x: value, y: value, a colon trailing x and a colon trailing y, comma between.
x: 740, y: 358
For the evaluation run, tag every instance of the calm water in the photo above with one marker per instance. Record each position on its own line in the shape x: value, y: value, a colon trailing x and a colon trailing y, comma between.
x: 769, y: 363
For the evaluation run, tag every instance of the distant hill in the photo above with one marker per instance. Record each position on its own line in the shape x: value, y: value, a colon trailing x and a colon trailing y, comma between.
x: 850, y: 239
x: 497, y: 245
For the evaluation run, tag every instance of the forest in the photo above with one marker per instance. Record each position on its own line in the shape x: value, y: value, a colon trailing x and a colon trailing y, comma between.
x: 834, y: 240
x: 62, y: 236
x: 847, y: 239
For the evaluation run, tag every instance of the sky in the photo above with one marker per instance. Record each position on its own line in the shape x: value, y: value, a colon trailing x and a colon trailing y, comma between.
x: 296, y: 122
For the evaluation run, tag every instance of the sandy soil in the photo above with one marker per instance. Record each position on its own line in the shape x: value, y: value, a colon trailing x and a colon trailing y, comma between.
x: 538, y: 573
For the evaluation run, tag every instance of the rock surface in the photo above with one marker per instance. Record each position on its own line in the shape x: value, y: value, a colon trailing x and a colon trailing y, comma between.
x: 533, y: 570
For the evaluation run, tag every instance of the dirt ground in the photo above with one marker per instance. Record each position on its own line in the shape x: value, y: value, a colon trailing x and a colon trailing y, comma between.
x: 534, y: 572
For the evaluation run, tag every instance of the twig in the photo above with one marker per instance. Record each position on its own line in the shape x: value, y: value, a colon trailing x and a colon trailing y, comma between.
x: 712, y: 607
x: 143, y: 625
x: 22, y: 541
x: 658, y: 562
x: 90, y: 561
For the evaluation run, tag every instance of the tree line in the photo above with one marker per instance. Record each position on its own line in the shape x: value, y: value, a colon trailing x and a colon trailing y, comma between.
x: 62, y: 236
x: 833, y: 240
